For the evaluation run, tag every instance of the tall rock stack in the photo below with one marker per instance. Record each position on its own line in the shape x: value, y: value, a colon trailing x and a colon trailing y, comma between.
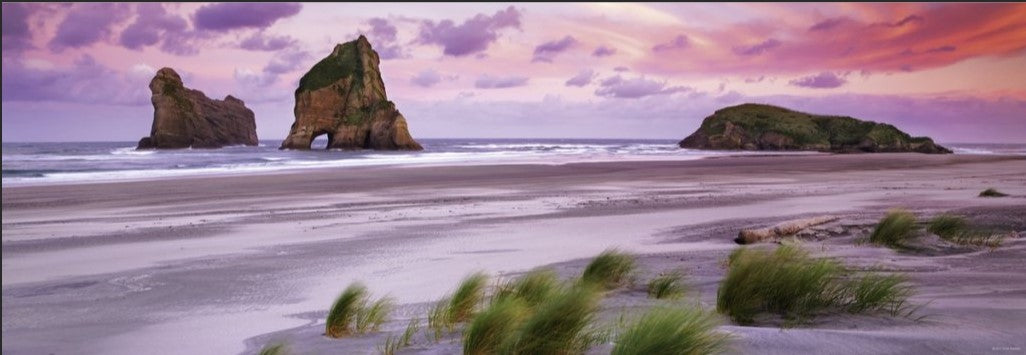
x: 186, y: 118
x: 343, y: 97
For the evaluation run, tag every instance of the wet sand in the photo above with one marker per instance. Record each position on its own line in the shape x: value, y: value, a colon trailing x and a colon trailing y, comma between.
x: 224, y: 264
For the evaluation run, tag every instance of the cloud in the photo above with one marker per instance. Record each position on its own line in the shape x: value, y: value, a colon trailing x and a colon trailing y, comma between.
x: 757, y: 49
x: 603, y: 51
x: 152, y: 21
x: 679, y: 42
x: 546, y: 51
x: 829, y: 24
x: 472, y: 36
x: 85, y: 81
x: 223, y: 17
x: 619, y: 87
x: 284, y: 61
x: 755, y: 80
x: 490, y: 82
x: 261, y: 42
x: 17, y: 36
x: 621, y: 69
x: 582, y: 78
x: 426, y: 78
x: 383, y: 36
x: 824, y: 80
x: 88, y: 23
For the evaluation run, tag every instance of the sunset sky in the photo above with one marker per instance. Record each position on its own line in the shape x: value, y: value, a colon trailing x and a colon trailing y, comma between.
x: 956, y: 72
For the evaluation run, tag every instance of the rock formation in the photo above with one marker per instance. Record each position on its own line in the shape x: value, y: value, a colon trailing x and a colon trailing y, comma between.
x: 765, y: 127
x: 343, y: 97
x: 184, y: 117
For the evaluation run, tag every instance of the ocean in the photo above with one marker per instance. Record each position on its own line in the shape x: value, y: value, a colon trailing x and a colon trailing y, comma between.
x: 71, y: 162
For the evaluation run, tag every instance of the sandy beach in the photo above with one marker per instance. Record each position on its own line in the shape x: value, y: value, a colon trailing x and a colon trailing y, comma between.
x: 223, y: 265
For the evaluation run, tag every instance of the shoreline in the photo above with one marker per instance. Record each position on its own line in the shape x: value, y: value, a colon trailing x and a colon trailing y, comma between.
x: 222, y: 264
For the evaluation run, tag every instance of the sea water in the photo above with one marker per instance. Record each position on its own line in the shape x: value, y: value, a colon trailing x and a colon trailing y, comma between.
x: 72, y: 162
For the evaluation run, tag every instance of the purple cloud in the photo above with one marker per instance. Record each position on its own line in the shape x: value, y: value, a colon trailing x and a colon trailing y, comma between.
x: 261, y: 42
x: 942, y: 49
x: 86, y: 81
x: 828, y: 24
x: 755, y: 80
x: 619, y: 87
x: 383, y: 36
x: 426, y: 78
x: 621, y: 69
x: 603, y: 51
x: 907, y: 20
x: 546, y: 51
x: 87, y: 23
x: 824, y: 80
x: 152, y: 21
x: 490, y: 82
x: 282, y: 62
x: 234, y: 15
x: 679, y: 42
x: 757, y: 48
x: 581, y: 79
x: 16, y: 33
x: 472, y: 36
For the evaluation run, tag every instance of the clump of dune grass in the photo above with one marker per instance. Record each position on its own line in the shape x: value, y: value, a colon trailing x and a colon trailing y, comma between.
x: 610, y: 270
x: 277, y: 348
x: 790, y: 283
x: 458, y: 307
x: 370, y: 318
x: 350, y: 313
x: 532, y: 288
x: 877, y: 293
x: 991, y: 192
x: 948, y: 226
x: 894, y: 230
x: 957, y: 230
x: 560, y: 325
x: 494, y: 326
x: 667, y: 286
x: 677, y: 330
x: 394, y: 343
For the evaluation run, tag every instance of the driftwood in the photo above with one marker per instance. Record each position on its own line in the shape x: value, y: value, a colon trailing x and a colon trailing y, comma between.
x: 751, y: 236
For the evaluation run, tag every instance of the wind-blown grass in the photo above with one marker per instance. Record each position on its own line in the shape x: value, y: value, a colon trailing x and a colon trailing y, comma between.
x: 532, y: 288
x: 345, y: 309
x: 894, y: 230
x: 393, y: 343
x: 610, y: 270
x: 957, y: 230
x: 458, y: 307
x: 671, y: 331
x: 494, y: 326
x: 666, y: 286
x: 559, y: 325
x: 991, y: 192
x: 350, y: 313
x: 279, y: 348
x: 790, y: 283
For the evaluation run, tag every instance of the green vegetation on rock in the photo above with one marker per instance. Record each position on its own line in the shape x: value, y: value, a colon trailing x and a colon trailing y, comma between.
x: 343, y: 62
x: 765, y: 127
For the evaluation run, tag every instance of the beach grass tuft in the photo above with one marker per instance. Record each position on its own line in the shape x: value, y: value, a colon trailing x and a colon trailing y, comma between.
x: 560, y: 325
x: 790, y: 283
x: 895, y: 229
x: 667, y: 286
x: 611, y: 269
x: 957, y: 230
x: 468, y: 295
x: 991, y: 192
x: 350, y: 313
x: 393, y: 343
x: 494, y: 326
x: 277, y: 348
x: 345, y: 309
x: 532, y: 288
x: 677, y: 330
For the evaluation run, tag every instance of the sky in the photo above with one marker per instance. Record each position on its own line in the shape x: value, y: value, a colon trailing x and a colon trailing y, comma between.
x: 952, y: 71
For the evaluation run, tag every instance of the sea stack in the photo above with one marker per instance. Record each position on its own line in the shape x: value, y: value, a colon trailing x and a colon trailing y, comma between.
x: 343, y: 97
x: 186, y: 118
x: 765, y: 127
